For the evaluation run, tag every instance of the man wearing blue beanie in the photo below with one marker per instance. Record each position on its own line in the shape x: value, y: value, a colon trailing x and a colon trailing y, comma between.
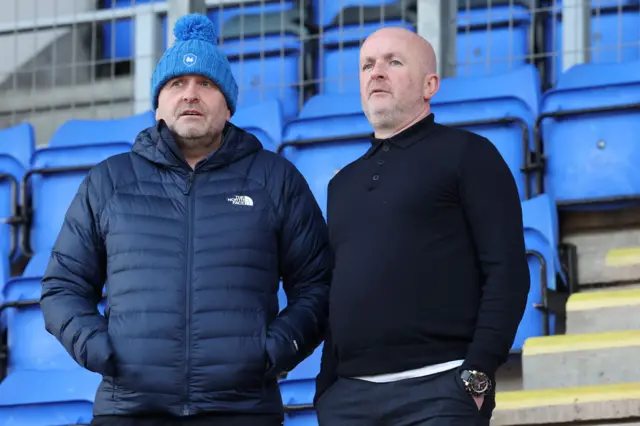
x: 193, y: 231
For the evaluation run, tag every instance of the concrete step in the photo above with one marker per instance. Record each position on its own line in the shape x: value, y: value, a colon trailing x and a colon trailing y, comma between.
x: 553, y: 362
x: 593, y: 405
x: 603, y: 311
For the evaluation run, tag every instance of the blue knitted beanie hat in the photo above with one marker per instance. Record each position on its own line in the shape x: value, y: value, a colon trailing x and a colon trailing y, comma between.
x: 195, y: 52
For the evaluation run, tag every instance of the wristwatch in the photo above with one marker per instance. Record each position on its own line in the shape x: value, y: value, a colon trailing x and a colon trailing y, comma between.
x: 476, y: 383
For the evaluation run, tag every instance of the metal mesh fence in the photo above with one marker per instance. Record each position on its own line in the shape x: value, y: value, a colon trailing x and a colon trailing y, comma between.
x: 66, y: 59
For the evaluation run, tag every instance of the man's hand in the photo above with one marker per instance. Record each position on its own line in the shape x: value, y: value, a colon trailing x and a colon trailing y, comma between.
x: 479, y: 400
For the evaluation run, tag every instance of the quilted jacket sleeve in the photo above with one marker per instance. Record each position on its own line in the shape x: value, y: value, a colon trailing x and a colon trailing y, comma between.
x: 72, y: 285
x: 305, y: 266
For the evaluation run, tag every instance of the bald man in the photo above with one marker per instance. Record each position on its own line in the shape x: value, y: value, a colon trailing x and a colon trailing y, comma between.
x: 430, y: 278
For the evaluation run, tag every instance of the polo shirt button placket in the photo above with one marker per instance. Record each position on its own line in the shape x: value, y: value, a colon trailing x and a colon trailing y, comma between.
x: 379, y: 162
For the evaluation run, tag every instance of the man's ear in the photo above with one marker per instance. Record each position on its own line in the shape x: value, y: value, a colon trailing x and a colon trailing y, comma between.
x: 431, y: 86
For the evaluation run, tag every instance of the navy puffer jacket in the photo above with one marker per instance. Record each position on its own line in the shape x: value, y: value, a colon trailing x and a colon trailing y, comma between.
x: 192, y: 262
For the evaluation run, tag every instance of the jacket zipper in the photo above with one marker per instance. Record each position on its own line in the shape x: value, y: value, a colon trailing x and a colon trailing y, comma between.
x: 189, y: 243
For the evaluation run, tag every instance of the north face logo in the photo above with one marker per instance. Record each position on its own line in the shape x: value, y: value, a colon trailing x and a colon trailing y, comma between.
x: 241, y: 200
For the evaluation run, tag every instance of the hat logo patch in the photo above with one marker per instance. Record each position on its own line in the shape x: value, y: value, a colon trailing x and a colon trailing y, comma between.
x: 189, y: 59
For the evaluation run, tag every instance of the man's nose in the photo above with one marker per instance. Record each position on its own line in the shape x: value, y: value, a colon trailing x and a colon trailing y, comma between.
x: 190, y: 93
x: 378, y: 73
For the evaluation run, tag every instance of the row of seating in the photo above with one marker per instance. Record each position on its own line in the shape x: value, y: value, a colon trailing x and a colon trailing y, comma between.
x: 274, y: 55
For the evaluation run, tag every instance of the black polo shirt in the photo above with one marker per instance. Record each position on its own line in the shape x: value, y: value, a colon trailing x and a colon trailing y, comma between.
x: 430, y: 262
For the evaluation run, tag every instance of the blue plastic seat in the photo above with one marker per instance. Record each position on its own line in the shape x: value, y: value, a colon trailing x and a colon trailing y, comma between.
x: 79, y: 144
x: 346, y: 24
x: 30, y: 346
x: 17, y: 145
x: 541, y: 236
x: 221, y: 15
x: 118, y: 36
x: 44, y: 386
x: 614, y: 34
x: 331, y: 132
x: 268, y: 59
x: 264, y: 120
x: 334, y: 13
x: 492, y: 40
x: 592, y: 156
x: 500, y: 107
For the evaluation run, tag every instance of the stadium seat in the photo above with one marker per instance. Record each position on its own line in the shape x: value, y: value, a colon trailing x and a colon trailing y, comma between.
x: 338, y: 65
x: 330, y: 132
x: 44, y: 386
x: 17, y: 145
x: 225, y: 12
x: 492, y: 38
x: 268, y: 58
x: 591, y: 158
x: 46, y: 398
x: 77, y: 144
x: 541, y: 241
x: 30, y: 346
x: 614, y: 35
x: 336, y: 13
x: 118, y: 36
x: 263, y: 120
x: 501, y: 107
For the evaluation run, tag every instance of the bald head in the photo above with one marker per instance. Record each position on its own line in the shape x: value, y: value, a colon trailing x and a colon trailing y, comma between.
x: 397, y: 79
x: 418, y: 46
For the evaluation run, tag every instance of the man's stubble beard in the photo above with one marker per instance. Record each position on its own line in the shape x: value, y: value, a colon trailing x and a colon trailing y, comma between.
x: 385, y: 118
x: 193, y: 137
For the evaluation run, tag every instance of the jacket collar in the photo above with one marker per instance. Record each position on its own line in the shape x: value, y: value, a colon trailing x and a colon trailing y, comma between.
x: 158, y: 145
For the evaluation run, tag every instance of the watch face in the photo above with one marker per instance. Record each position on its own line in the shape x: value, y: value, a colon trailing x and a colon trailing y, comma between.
x: 480, y: 383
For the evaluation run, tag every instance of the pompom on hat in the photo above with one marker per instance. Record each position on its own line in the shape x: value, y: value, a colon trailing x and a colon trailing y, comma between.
x: 195, y: 52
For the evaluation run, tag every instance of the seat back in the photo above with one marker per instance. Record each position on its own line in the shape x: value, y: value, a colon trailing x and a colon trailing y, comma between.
x: 118, y: 36
x: 331, y: 132
x: 592, y: 117
x: 613, y: 38
x: 267, y: 59
x: 500, y: 107
x: 17, y: 145
x: 30, y: 346
x: 492, y: 39
x: 223, y: 13
x: 264, y: 121
x: 342, y: 13
x: 77, y: 146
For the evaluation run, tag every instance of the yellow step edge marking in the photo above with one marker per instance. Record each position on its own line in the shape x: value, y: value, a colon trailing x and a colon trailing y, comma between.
x: 567, y: 396
x: 580, y: 342
x: 623, y: 257
x: 603, y: 299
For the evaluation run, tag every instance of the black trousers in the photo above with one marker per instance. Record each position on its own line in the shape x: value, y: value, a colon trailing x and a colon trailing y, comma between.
x: 204, y: 420
x: 436, y: 400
